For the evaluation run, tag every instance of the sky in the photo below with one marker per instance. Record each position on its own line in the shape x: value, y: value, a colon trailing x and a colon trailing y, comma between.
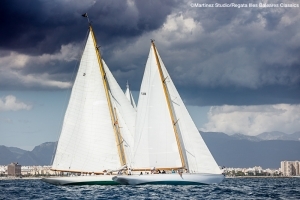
x: 237, y: 69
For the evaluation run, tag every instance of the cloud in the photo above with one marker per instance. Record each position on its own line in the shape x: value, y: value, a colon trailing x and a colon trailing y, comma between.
x: 237, y: 48
x: 10, y: 103
x: 215, y: 56
x: 240, y: 61
x: 42, y: 27
x: 38, y: 71
x: 253, y: 120
x: 34, y: 46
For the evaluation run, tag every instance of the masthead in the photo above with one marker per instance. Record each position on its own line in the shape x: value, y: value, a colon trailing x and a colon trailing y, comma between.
x: 85, y: 15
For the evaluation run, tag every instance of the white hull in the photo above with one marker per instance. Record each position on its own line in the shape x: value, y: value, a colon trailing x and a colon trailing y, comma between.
x: 170, y: 179
x: 81, y: 180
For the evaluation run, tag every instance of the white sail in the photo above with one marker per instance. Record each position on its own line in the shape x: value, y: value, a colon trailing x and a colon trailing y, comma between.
x: 88, y: 141
x: 125, y: 113
x: 199, y: 158
x: 129, y: 96
x: 155, y: 138
x: 155, y: 144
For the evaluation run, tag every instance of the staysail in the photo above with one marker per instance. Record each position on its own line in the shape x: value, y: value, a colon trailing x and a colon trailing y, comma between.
x: 125, y: 112
x: 97, y: 121
x: 166, y: 136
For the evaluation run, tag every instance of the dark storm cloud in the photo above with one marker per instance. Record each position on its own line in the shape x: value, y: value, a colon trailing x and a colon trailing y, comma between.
x: 34, y: 27
x: 41, y: 26
x: 215, y: 56
x: 246, y: 56
x: 275, y: 94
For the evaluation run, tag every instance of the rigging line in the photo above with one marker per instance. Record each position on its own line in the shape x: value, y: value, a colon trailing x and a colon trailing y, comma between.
x: 165, y: 79
x: 175, y: 103
x: 114, y: 98
x: 125, y: 141
x: 176, y: 122
x: 173, y: 100
x: 120, y: 136
x: 190, y: 153
x: 120, y: 143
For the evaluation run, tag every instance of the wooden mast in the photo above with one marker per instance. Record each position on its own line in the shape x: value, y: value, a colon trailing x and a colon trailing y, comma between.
x: 174, y: 121
x: 114, y: 119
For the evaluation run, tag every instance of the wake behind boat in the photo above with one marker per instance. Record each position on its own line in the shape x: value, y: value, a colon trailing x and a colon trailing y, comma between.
x: 170, y: 179
x: 82, y: 180
x: 166, y: 137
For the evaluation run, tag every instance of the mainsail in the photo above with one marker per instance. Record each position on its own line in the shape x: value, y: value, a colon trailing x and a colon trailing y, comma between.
x: 166, y: 136
x: 99, y: 121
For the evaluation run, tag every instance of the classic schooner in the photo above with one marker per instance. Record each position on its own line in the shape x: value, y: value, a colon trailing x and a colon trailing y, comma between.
x: 166, y: 137
x: 97, y: 133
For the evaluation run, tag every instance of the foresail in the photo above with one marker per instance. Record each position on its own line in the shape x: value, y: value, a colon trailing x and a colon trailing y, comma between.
x: 154, y: 142
x: 198, y: 155
x: 87, y: 142
x: 125, y: 113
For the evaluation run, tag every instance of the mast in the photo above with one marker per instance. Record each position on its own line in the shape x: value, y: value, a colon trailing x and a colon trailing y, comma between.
x: 113, y: 116
x: 172, y: 115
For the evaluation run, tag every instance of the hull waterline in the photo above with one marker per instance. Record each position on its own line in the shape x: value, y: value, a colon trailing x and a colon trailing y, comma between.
x: 81, y: 180
x: 170, y: 179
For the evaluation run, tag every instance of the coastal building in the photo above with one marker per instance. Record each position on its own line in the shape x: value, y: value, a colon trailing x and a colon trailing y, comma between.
x: 251, y: 171
x: 290, y: 168
x: 37, y: 171
x: 14, y: 169
x: 3, y: 170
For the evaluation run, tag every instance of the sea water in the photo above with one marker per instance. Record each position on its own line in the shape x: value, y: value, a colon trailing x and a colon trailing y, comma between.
x: 230, y: 188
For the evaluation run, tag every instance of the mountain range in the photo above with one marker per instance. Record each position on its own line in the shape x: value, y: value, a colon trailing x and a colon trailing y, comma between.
x: 267, y: 150
x: 274, y: 135
x: 248, y: 151
x: 40, y: 155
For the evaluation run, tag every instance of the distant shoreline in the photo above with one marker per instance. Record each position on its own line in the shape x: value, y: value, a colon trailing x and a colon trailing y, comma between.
x: 258, y: 176
x: 227, y: 177
x: 17, y: 178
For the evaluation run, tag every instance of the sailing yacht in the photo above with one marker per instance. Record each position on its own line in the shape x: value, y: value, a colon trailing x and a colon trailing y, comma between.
x: 166, y: 138
x: 97, y: 133
x: 129, y: 96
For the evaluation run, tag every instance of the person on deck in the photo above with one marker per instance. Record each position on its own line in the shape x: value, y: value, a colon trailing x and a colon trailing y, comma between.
x: 180, y: 173
x: 152, y: 170
x: 129, y: 171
